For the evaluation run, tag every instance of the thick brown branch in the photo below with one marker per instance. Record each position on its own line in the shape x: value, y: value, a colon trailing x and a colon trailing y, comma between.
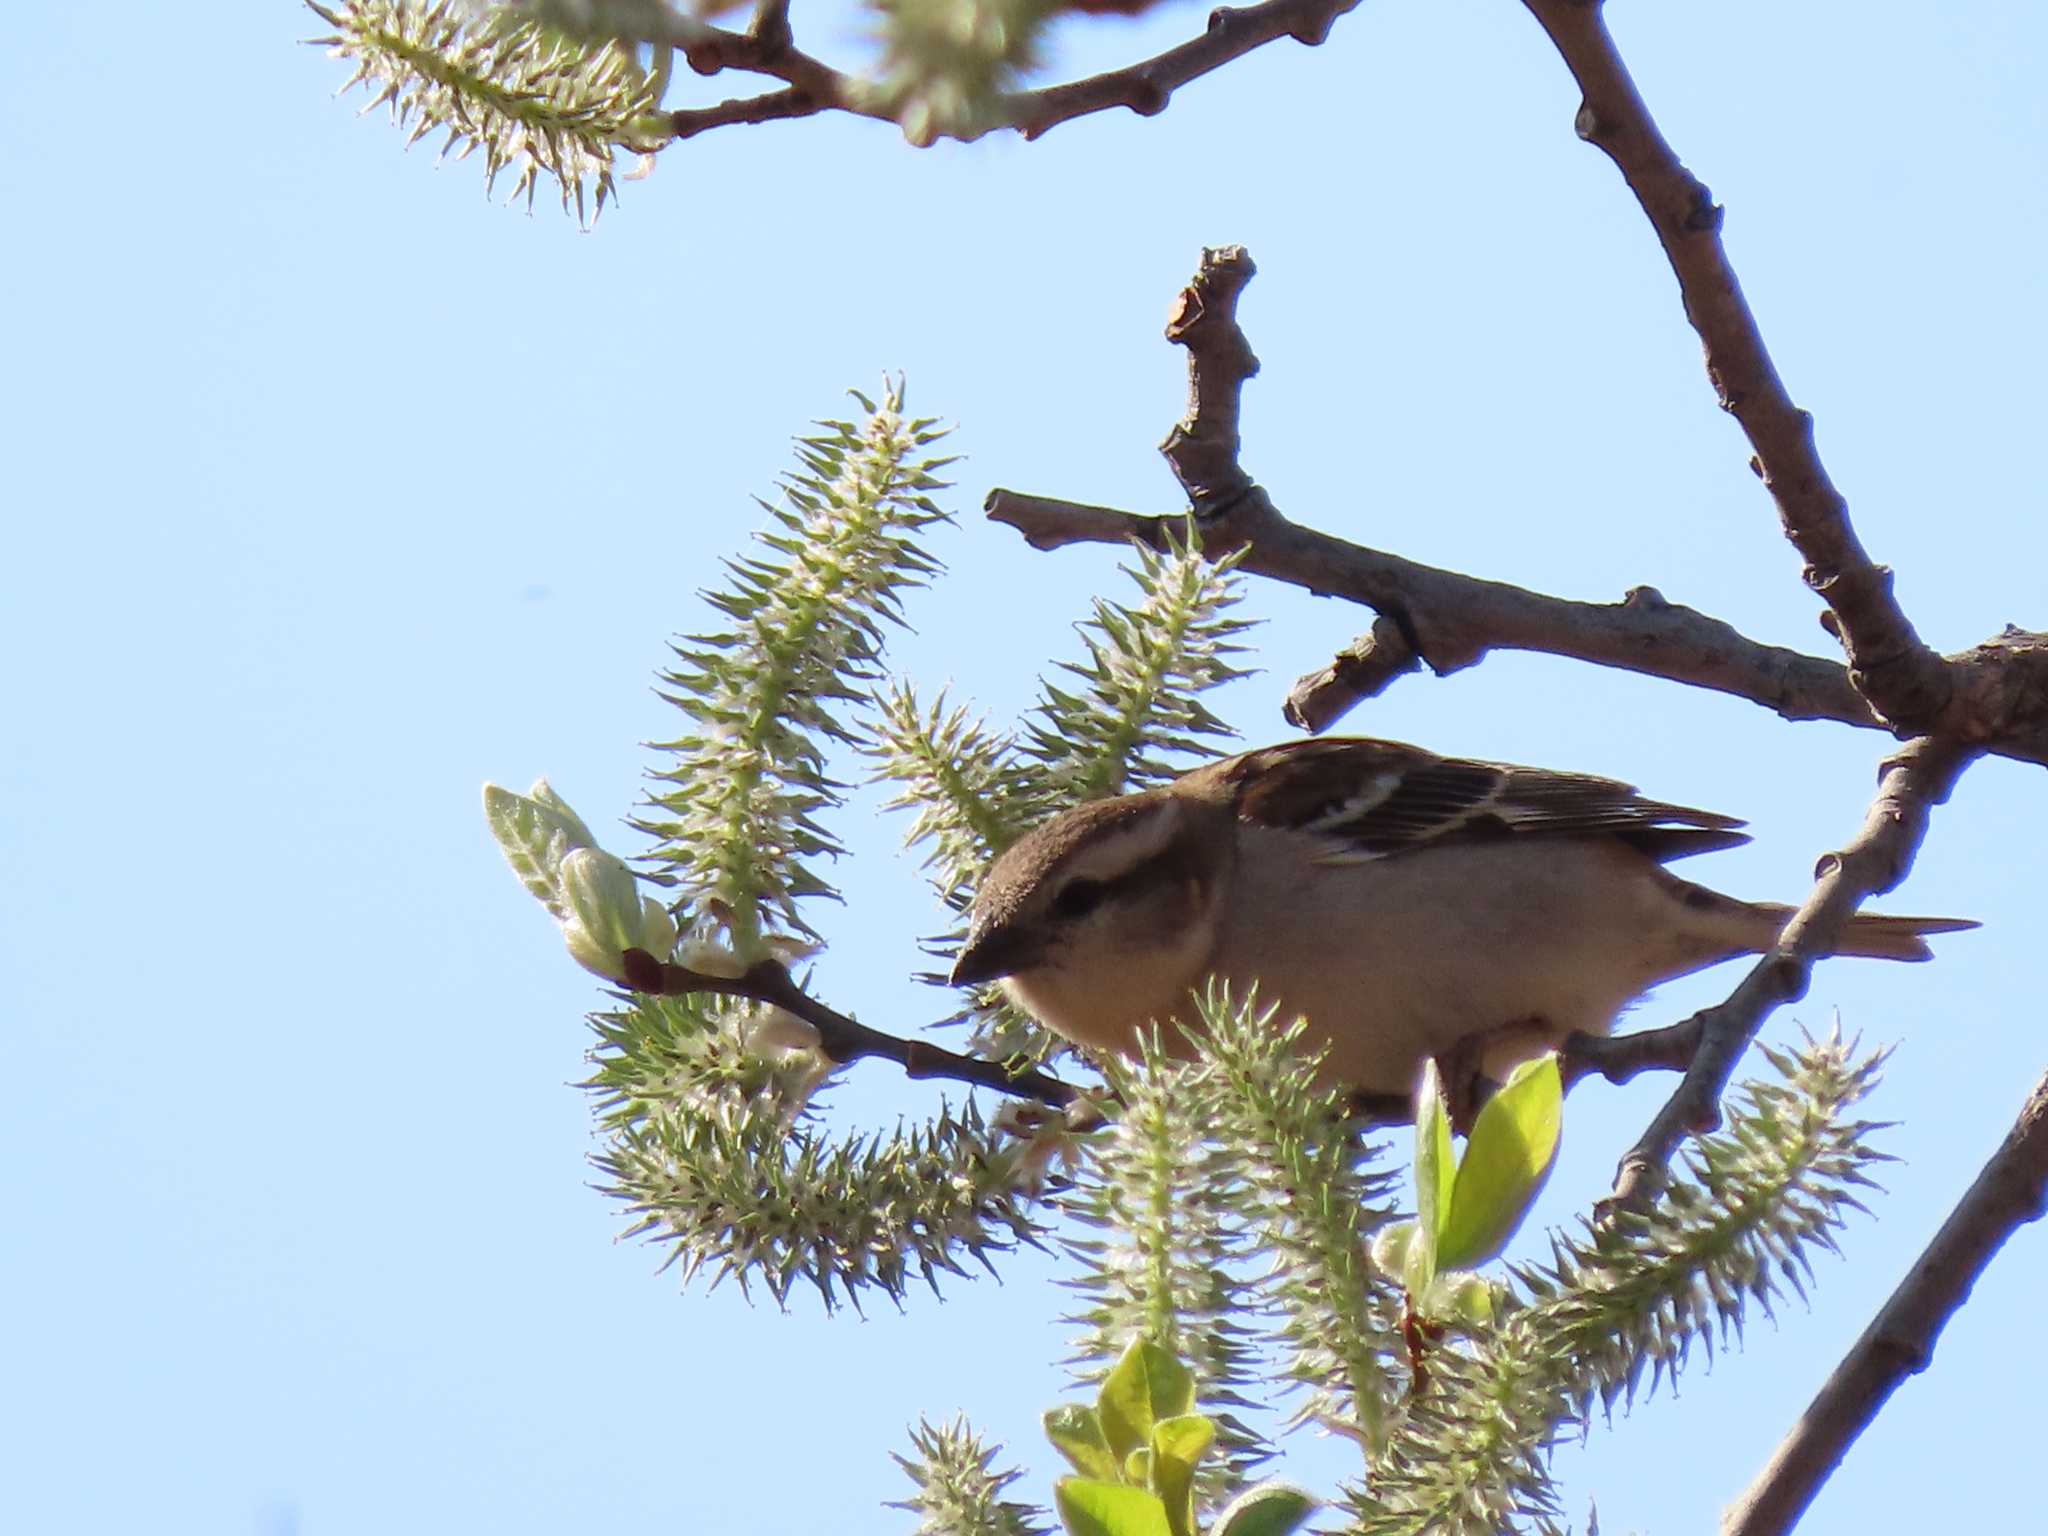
x: 1449, y: 621
x: 1446, y: 621
x: 1905, y: 679
x: 2011, y: 1191
x: 841, y: 1038
x: 814, y: 86
x: 1914, y: 781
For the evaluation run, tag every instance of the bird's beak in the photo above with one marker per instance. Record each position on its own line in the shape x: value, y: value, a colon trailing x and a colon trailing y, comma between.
x: 993, y: 952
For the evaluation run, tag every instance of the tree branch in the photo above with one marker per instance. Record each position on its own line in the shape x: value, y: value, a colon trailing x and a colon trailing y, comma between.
x: 1147, y: 86
x: 770, y: 25
x: 688, y: 122
x: 1202, y: 447
x: 2011, y: 1190
x: 1905, y: 679
x: 814, y: 86
x: 1447, y: 621
x: 841, y: 1038
x: 1621, y: 1057
x: 1912, y: 782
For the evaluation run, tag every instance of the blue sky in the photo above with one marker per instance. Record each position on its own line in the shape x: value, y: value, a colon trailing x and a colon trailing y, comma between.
x: 336, y: 488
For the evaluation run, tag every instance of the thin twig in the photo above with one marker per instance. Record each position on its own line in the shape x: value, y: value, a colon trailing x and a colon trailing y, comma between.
x: 1916, y: 779
x: 687, y: 122
x: 814, y: 86
x: 1904, y: 678
x: 1147, y: 86
x: 2011, y: 1191
x: 839, y: 1037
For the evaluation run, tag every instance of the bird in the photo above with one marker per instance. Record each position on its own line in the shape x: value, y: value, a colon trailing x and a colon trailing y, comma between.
x: 1406, y: 905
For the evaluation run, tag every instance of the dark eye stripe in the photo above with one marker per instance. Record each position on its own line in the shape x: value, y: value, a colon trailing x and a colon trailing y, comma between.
x: 1172, y: 865
x: 1077, y: 898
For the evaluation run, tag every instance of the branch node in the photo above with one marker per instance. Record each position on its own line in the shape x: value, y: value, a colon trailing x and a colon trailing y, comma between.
x: 1705, y: 215
x: 1148, y: 98
x: 1315, y: 30
x: 1361, y: 670
x: 1788, y: 975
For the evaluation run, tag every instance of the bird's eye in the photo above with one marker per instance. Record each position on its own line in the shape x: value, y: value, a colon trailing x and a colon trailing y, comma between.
x: 1077, y: 898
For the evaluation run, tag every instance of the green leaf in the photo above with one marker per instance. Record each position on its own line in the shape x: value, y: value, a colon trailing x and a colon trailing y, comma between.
x: 1271, y: 1509
x: 535, y: 831
x: 1177, y: 1447
x: 591, y: 893
x: 543, y: 793
x: 605, y: 915
x: 1148, y: 1384
x: 1436, y: 1172
x: 1507, y: 1157
x: 1091, y: 1508
x: 1183, y: 1437
x: 1076, y: 1433
x: 1436, y: 1165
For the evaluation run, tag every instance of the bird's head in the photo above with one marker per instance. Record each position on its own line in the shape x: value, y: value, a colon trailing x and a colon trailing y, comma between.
x: 1104, y: 916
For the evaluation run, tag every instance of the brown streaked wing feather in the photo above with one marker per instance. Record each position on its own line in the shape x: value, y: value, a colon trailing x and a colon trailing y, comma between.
x: 1376, y: 798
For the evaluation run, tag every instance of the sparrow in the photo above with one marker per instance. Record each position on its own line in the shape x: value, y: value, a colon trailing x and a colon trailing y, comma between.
x: 1406, y: 905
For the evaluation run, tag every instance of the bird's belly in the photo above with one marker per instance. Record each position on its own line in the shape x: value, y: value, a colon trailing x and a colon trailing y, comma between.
x: 1425, y: 956
x: 1376, y: 1038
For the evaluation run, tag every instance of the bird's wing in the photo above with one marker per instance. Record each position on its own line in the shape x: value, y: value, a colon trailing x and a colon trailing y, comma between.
x: 1373, y: 799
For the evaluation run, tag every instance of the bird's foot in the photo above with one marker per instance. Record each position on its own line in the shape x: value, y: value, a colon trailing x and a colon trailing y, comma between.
x: 1466, y: 1087
x: 1467, y: 1068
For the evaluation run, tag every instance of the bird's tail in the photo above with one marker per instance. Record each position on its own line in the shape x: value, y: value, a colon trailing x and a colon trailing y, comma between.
x: 1881, y: 936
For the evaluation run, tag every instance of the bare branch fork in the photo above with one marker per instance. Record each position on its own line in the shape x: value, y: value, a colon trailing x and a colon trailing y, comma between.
x: 1995, y: 695
x: 1448, y: 621
x: 811, y: 86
